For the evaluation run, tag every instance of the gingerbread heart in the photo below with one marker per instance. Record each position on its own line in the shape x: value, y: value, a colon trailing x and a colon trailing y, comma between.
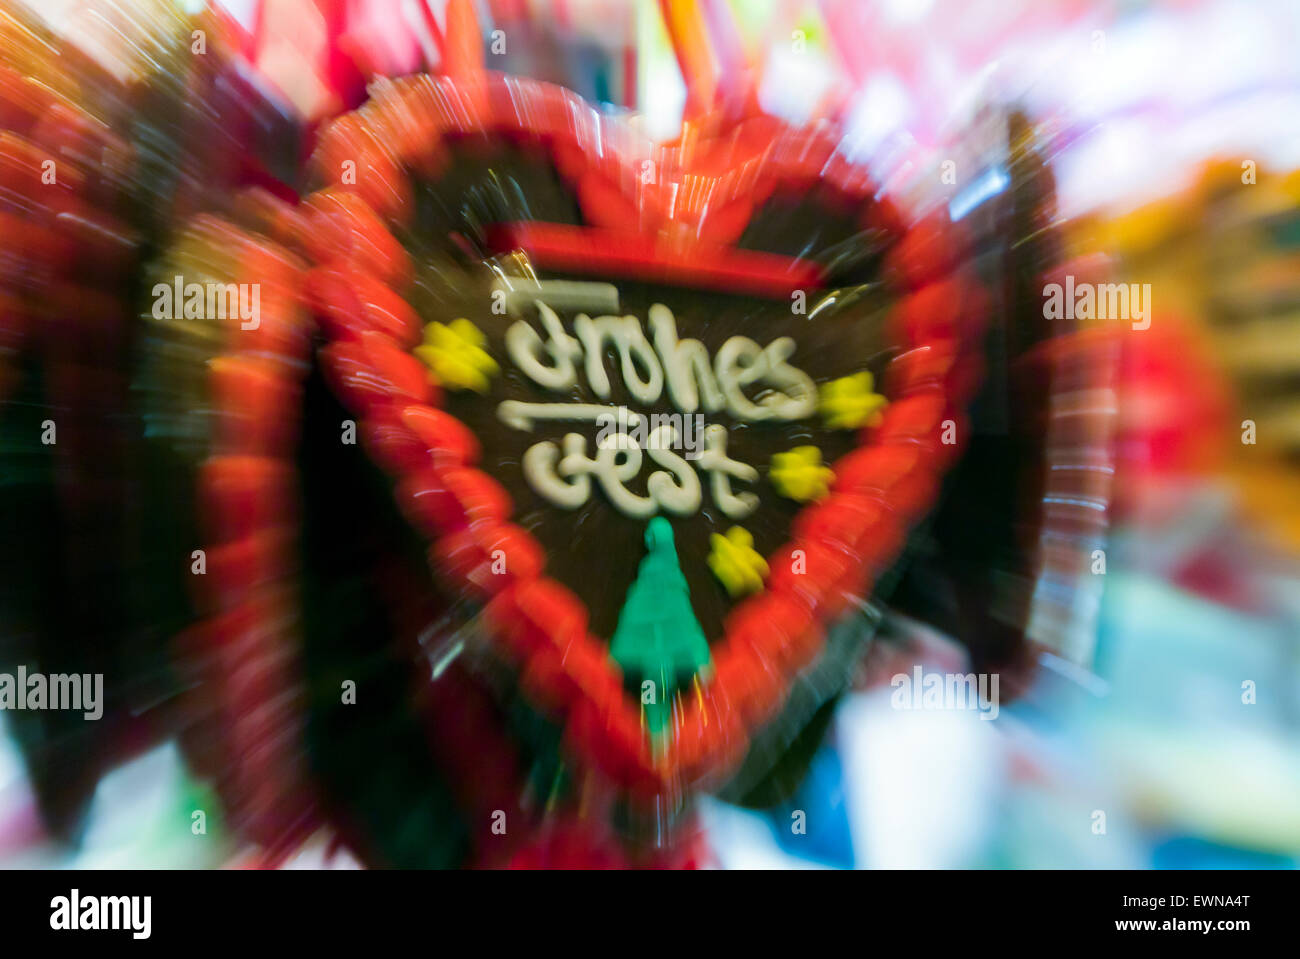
x: 663, y: 412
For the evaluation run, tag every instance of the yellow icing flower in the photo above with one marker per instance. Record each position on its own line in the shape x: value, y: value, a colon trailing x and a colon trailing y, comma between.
x: 736, y: 563
x: 851, y: 401
x: 800, y: 475
x: 456, y: 356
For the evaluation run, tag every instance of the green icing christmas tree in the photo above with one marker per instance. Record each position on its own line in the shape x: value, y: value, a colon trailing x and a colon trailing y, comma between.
x: 658, y: 637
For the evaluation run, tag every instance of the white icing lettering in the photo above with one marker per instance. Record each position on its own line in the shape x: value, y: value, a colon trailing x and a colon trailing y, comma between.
x: 686, y: 365
x: 795, y: 394
x: 562, y: 474
x: 722, y: 469
x: 741, y: 361
x: 526, y: 349
x: 522, y: 416
x: 633, y: 350
x: 682, y: 497
x: 545, y: 473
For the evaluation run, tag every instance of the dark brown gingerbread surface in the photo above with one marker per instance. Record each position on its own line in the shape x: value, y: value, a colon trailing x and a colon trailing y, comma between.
x: 594, y: 549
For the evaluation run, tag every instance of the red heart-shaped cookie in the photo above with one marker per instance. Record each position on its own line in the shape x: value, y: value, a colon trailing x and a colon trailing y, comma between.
x: 670, y: 407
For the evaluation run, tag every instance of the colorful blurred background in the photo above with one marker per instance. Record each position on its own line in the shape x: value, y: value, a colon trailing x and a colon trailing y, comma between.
x: 1140, y: 594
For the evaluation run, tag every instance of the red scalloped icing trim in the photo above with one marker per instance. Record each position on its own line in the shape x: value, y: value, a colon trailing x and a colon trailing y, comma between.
x: 249, y: 692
